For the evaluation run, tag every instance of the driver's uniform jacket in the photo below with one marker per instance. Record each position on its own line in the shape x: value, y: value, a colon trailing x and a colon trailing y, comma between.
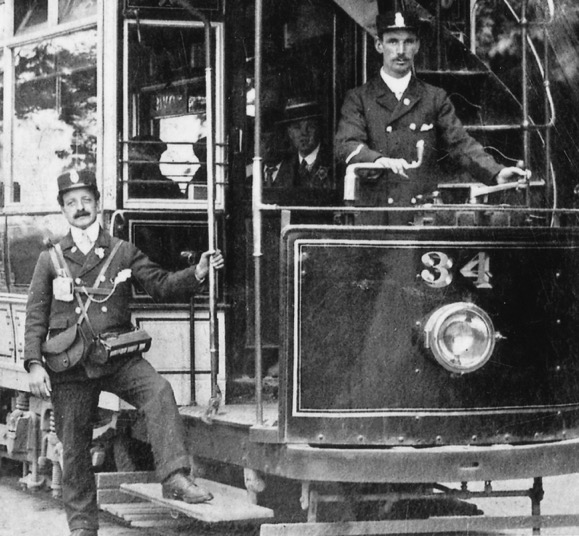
x: 46, y: 315
x: 374, y: 123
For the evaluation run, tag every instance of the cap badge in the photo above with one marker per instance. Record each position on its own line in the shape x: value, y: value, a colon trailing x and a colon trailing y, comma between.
x: 399, y: 21
x: 74, y: 178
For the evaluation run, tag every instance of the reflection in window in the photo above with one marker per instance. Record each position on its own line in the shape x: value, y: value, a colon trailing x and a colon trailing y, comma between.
x: 2, y: 177
x: 2, y: 15
x: 166, y: 79
x: 69, y: 10
x: 29, y: 14
x: 55, y: 112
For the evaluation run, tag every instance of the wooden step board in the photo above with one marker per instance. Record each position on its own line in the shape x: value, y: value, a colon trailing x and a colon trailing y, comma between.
x: 228, y: 504
x: 145, y: 515
x: 130, y: 510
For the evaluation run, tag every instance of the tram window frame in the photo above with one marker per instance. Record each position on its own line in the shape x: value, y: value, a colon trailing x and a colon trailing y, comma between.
x: 196, y: 195
x: 21, y: 188
x: 178, y: 225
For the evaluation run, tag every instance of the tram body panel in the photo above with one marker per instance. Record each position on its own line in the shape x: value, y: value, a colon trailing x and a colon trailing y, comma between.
x: 359, y: 303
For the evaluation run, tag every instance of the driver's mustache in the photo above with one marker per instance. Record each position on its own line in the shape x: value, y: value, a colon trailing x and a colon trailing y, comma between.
x: 81, y: 213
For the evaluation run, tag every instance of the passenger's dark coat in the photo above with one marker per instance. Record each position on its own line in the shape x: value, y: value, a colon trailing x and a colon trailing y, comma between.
x: 374, y: 124
x: 319, y: 177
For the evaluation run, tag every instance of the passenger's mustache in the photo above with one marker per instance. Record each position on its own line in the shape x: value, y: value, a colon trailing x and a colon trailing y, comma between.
x: 81, y: 214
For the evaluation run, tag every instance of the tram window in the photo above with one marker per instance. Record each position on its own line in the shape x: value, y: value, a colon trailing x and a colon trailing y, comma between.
x: 165, y: 95
x: 55, y: 113
x: 69, y: 10
x: 163, y: 241
x: 2, y: 175
x: 29, y: 15
x: 2, y: 17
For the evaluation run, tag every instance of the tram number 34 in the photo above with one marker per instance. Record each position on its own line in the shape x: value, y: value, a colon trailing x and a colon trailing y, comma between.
x: 438, y: 272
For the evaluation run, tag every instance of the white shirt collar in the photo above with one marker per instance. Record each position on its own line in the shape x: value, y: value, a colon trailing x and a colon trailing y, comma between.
x: 92, y: 232
x: 397, y: 85
x: 311, y: 158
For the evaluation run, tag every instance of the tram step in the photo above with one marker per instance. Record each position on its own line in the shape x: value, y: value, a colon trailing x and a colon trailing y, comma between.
x: 108, y: 485
x: 145, y: 515
x: 228, y: 504
x: 129, y: 509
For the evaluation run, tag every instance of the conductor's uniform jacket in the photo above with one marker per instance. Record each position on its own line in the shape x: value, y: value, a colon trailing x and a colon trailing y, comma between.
x: 374, y: 124
x: 46, y: 315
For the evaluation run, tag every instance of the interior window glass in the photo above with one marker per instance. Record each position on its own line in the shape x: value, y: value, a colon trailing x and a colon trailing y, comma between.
x: 29, y: 14
x: 2, y: 177
x: 69, y: 10
x: 2, y: 15
x: 166, y: 77
x: 55, y: 121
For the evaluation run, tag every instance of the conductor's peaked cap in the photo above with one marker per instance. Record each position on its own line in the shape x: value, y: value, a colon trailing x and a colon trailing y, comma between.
x: 398, y: 20
x: 73, y: 180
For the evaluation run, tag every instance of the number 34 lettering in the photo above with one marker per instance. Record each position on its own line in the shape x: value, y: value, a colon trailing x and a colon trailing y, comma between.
x: 437, y: 272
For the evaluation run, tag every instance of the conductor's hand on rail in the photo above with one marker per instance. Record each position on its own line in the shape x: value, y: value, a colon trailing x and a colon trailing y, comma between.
x: 209, y: 258
x: 397, y: 165
x: 511, y: 174
x: 39, y: 381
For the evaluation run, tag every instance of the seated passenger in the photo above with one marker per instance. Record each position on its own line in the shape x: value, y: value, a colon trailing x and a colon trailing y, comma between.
x: 145, y: 177
x: 309, y: 165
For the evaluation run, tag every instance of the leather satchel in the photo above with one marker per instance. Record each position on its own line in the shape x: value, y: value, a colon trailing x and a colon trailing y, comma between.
x: 64, y: 350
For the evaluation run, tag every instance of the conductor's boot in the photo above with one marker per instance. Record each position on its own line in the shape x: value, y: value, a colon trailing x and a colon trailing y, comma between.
x: 84, y: 532
x: 181, y: 487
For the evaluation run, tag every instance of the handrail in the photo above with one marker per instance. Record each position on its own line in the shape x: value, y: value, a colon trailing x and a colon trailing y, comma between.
x: 211, y: 225
x: 256, y: 214
x: 350, y: 178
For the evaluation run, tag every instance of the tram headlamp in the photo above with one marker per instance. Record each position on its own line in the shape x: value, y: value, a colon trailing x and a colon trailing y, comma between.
x: 460, y: 336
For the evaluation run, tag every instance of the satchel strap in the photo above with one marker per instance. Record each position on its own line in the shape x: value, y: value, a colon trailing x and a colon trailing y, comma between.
x: 61, y: 265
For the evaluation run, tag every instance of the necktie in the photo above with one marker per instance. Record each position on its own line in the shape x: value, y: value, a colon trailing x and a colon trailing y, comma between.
x: 84, y: 243
x: 303, y: 172
x: 269, y: 170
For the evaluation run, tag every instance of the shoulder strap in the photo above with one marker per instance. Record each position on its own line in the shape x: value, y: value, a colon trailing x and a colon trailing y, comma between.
x: 56, y: 261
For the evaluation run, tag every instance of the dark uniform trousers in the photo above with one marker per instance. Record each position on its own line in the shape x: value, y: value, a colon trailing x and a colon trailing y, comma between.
x: 75, y: 405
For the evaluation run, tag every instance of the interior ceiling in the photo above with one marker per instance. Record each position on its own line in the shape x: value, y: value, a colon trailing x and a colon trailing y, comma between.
x: 362, y: 11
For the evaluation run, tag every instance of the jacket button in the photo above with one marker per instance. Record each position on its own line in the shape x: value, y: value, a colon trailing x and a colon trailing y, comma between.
x: 77, y: 310
x: 104, y: 309
x: 78, y: 281
x: 73, y: 249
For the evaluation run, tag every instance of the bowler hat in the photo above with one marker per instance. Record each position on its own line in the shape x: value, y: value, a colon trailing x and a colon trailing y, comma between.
x: 149, y: 144
x: 72, y: 180
x: 297, y: 110
x: 398, y: 20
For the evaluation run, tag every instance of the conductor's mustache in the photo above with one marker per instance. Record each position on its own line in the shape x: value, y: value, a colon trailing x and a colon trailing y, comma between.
x: 81, y: 214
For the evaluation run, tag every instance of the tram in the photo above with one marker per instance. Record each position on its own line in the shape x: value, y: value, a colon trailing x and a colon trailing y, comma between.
x: 364, y: 366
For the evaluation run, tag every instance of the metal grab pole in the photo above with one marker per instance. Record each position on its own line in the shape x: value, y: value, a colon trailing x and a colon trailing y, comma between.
x: 256, y: 213
x: 213, y: 339
x: 525, y: 89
